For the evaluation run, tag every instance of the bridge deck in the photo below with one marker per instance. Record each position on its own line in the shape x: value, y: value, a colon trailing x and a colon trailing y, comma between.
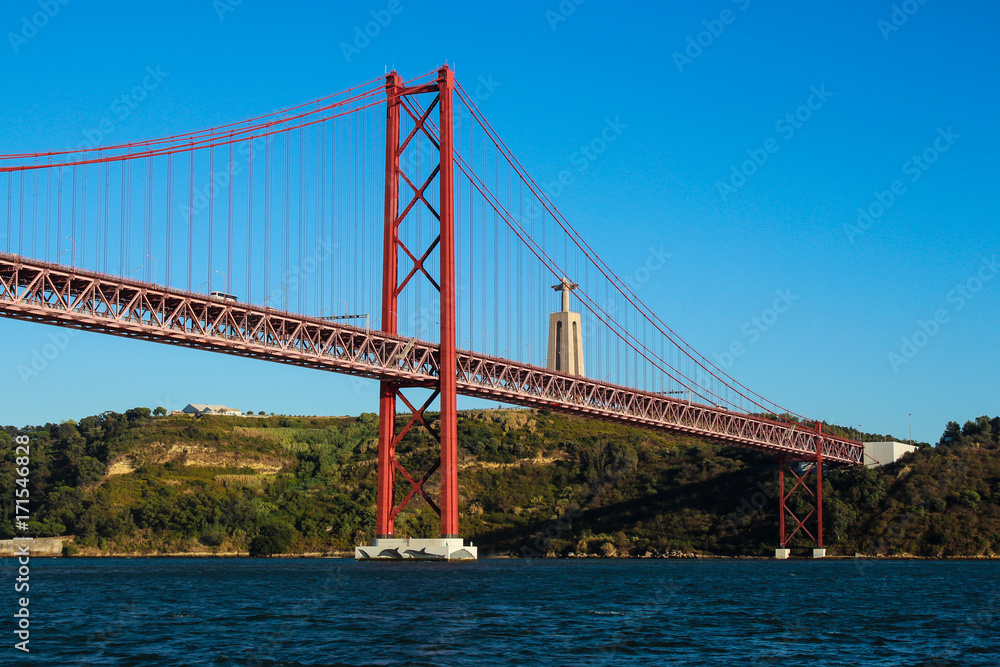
x: 54, y: 294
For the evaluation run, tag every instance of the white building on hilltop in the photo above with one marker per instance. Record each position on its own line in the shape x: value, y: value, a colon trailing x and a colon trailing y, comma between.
x: 204, y: 409
x: 883, y: 453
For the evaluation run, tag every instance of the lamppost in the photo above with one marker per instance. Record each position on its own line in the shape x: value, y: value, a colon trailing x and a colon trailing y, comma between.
x: 224, y: 277
x: 490, y: 345
x: 73, y: 254
x: 529, y: 352
x: 136, y: 269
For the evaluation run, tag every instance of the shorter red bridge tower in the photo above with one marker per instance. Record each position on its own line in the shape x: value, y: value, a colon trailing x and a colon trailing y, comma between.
x: 792, y: 519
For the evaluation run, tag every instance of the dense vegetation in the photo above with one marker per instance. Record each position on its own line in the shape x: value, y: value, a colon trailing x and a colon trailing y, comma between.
x: 532, y: 483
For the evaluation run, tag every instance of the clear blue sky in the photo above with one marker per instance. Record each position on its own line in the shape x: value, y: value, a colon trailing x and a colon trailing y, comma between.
x: 879, y: 95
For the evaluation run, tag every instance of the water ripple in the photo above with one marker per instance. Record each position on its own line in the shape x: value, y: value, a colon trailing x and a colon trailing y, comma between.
x: 271, y: 613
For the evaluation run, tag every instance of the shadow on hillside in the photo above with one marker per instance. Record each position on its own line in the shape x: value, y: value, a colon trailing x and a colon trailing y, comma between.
x: 712, y: 513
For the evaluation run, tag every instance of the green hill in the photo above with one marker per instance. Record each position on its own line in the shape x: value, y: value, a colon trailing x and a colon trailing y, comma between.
x: 532, y: 483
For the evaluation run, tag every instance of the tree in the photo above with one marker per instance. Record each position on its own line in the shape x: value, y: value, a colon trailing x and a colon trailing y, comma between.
x: 274, y: 538
x: 951, y: 434
x: 160, y: 411
x: 212, y: 536
x: 985, y: 427
x: 969, y: 498
x: 137, y: 414
x: 89, y: 470
x: 112, y: 423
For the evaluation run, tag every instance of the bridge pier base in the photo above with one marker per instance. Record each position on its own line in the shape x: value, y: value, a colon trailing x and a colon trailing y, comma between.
x: 782, y: 554
x: 401, y: 548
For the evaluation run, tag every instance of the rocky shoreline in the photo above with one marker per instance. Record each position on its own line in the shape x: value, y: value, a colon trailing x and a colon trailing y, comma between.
x: 673, y: 555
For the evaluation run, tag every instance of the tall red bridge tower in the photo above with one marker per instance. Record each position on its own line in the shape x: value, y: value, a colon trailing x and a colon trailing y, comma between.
x: 450, y: 545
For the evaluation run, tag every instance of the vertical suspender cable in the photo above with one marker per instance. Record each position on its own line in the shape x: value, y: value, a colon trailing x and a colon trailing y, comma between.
x: 83, y: 218
x: 472, y: 258
x: 302, y: 221
x: 323, y: 243
x: 128, y: 223
x: 521, y: 333
x: 229, y: 234
x: 98, y: 236
x: 121, y: 215
x: 107, y: 235
x: 170, y: 205
x: 357, y: 214
x: 508, y: 301
x: 286, y: 215
x: 211, y: 212
x: 48, y: 212
x: 34, y: 212
x: 362, y: 205
x: 267, y: 217
x: 10, y: 202
x: 148, y: 232
x: 333, y: 213
x: 249, y: 257
x: 190, y: 217
x: 20, y: 212
x: 496, y: 253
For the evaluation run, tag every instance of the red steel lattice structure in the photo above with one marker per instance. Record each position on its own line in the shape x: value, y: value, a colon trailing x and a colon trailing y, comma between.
x: 801, y: 477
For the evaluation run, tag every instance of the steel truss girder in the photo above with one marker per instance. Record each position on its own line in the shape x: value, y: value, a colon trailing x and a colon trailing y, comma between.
x: 38, y: 291
x: 41, y: 292
x: 521, y: 384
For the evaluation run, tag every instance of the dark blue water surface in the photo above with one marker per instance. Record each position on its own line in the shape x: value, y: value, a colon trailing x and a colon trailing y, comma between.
x: 509, y: 612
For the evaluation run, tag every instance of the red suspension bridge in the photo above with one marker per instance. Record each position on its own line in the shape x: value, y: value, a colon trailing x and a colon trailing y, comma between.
x: 263, y: 239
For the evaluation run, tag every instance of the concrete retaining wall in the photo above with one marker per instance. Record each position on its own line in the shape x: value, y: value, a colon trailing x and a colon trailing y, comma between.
x: 40, y: 546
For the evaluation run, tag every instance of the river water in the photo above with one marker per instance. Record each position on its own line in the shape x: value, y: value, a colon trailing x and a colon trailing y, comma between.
x: 268, y: 612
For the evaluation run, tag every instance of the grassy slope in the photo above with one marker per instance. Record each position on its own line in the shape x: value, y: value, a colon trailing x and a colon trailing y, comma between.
x: 531, y: 483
